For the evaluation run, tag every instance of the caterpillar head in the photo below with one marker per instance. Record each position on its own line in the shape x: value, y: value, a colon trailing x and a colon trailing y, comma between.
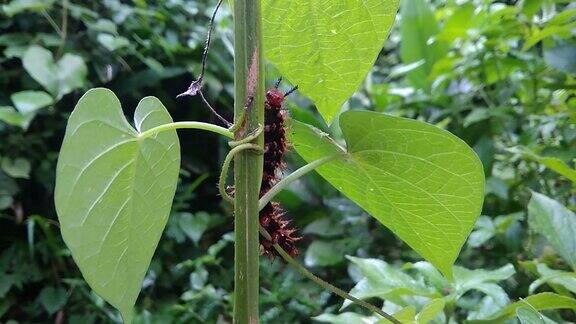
x: 274, y: 97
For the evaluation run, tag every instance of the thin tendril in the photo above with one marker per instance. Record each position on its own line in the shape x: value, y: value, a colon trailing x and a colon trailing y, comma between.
x: 226, y: 165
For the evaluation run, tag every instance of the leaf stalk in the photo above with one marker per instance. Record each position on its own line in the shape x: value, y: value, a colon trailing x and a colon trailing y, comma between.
x: 282, y: 184
x: 187, y: 125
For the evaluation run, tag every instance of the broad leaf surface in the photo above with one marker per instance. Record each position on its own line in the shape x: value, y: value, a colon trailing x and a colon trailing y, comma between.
x: 539, y: 302
x: 554, y: 277
x: 326, y: 47
x: 385, y: 281
x: 422, y: 182
x: 59, y: 78
x: 484, y: 281
x: 527, y: 315
x: 52, y: 299
x: 15, y: 7
x: 556, y: 223
x: 430, y: 311
x: 114, y: 192
x: 28, y: 103
x: 552, y: 163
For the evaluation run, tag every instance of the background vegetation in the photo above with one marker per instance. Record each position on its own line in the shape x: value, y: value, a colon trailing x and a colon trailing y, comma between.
x: 499, y: 74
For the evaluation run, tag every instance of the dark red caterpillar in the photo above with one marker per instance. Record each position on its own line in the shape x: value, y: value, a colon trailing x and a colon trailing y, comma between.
x: 272, y: 216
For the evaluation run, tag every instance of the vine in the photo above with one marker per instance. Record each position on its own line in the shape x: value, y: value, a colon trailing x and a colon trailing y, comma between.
x: 112, y: 172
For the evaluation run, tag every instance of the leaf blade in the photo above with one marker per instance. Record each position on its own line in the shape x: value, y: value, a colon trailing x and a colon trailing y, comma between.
x: 110, y: 226
x: 326, y: 47
x: 434, y: 221
x: 555, y: 222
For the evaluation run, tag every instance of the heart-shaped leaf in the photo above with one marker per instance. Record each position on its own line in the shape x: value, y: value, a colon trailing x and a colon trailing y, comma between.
x: 194, y: 225
x: 326, y: 47
x: 114, y: 192
x: 422, y: 182
x: 59, y: 78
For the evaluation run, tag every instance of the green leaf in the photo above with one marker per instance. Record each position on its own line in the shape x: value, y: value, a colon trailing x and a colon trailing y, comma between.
x: 324, y: 227
x: 422, y: 182
x: 59, y: 78
x: 17, y: 6
x: 555, y: 277
x: 326, y: 47
x: 28, y: 103
x: 431, y: 274
x: 6, y: 283
x: 543, y: 301
x: 484, y: 231
x: 551, y: 163
x: 114, y: 192
x: 322, y: 253
x: 484, y: 281
x: 11, y: 117
x: 418, y: 28
x: 405, y: 315
x: 111, y: 42
x: 527, y: 315
x: 556, y: 223
x: 458, y: 24
x: 52, y: 299
x: 194, y: 225
x: 344, y: 318
x: 430, y: 311
x: 385, y: 281
x: 531, y: 7
x: 17, y: 168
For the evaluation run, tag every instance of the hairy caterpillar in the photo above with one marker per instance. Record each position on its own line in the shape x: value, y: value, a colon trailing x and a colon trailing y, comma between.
x: 272, y: 216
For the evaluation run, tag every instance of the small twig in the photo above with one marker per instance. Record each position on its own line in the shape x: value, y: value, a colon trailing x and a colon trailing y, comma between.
x: 51, y: 21
x: 222, y: 119
x: 196, y: 85
x: 64, y: 27
x: 270, y: 194
x: 208, y: 40
x: 325, y: 284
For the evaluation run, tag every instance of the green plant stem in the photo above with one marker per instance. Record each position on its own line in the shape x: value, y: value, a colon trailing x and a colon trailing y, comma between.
x: 189, y: 125
x: 293, y: 177
x: 249, y: 100
x: 64, y: 27
x: 325, y: 284
x: 249, y: 138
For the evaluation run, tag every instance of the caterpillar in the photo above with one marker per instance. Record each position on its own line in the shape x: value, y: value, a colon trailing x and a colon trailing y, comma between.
x: 272, y: 216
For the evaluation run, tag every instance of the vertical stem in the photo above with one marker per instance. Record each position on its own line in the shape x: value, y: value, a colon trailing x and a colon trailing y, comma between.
x: 249, y: 95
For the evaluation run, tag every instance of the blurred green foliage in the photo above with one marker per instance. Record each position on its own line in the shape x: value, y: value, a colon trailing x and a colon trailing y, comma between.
x: 498, y: 74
